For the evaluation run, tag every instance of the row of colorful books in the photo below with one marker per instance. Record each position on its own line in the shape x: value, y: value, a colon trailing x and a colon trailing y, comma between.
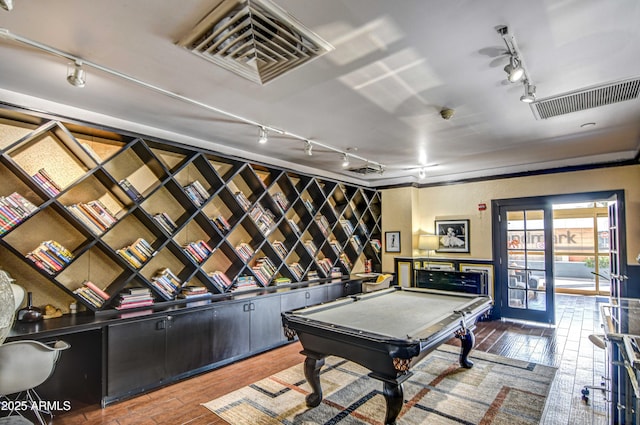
x: 346, y: 226
x: 263, y: 218
x: 323, y: 224
x: 167, y: 283
x: 165, y: 222
x: 92, y: 294
x: 50, y: 256
x: 94, y: 215
x: 280, y: 249
x: 242, y: 200
x: 311, y: 246
x: 245, y: 282
x: 192, y: 292
x: 297, y: 270
x: 197, y: 193
x: 345, y: 261
x: 198, y: 251
x: 45, y: 181
x: 325, y: 264
x: 264, y: 269
x: 137, y: 253
x: 13, y: 210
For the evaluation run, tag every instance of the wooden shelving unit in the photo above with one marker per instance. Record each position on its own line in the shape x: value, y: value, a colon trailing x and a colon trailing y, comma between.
x: 261, y: 223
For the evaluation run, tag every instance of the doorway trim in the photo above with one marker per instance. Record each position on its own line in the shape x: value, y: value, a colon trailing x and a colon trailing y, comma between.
x: 541, y: 202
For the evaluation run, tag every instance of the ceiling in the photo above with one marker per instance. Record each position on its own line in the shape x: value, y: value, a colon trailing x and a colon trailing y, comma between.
x: 378, y: 94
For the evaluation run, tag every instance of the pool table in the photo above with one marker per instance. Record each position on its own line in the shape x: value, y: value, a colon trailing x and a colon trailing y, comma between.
x: 386, y: 331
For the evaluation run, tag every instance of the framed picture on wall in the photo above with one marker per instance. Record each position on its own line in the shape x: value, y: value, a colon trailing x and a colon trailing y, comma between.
x: 453, y: 235
x: 392, y: 241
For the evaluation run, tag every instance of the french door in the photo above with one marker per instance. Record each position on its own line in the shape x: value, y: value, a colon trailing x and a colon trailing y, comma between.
x: 525, y: 262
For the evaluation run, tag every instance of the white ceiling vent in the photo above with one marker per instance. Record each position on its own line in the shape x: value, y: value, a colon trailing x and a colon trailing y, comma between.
x: 587, y: 98
x: 255, y: 39
x: 367, y: 169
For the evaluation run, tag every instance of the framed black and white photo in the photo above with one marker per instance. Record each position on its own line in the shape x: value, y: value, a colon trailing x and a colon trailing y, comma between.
x: 453, y: 235
x: 392, y: 241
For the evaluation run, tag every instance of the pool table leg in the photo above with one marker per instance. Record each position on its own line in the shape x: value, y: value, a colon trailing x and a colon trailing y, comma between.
x: 394, y: 395
x: 468, y: 340
x: 312, y: 366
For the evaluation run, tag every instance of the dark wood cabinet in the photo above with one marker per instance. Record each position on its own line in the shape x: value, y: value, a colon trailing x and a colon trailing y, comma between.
x: 469, y: 282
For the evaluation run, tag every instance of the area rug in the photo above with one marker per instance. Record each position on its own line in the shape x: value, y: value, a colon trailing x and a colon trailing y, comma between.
x: 497, y: 390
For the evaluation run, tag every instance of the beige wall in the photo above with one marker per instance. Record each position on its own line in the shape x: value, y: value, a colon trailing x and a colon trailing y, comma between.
x: 412, y: 210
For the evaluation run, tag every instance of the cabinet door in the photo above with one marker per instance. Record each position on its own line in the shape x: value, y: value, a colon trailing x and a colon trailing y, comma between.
x: 316, y: 295
x: 136, y: 354
x: 353, y: 287
x: 231, y: 330
x: 266, y: 324
x: 335, y: 291
x: 293, y: 300
x: 189, y: 341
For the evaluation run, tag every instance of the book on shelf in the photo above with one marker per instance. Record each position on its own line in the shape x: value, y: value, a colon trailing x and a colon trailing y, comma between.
x: 166, y: 283
x: 323, y: 224
x: 191, y: 291
x: 221, y: 279
x: 311, y: 247
x: 281, y: 280
x: 221, y: 223
x: 198, y: 251
x: 50, y: 256
x: 294, y: 226
x: 197, y: 193
x: 263, y: 218
x: 137, y: 253
x: 346, y: 226
x: 244, y: 250
x: 375, y: 244
x: 307, y: 203
x: 280, y: 249
x: 45, y: 181
x: 242, y: 200
x: 97, y: 290
x: 335, y: 246
x: 325, y: 265
x: 297, y: 270
x: 245, y: 282
x: 130, y: 190
x: 13, y: 210
x: 94, y: 215
x: 165, y: 222
x: 134, y: 297
x: 312, y: 275
x: 281, y: 201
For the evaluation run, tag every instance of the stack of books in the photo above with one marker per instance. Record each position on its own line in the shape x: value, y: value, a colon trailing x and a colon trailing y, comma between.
x: 130, y: 190
x: 197, y: 193
x: 335, y: 245
x: 325, y: 265
x: 355, y: 243
x: 221, y: 279
x: 165, y: 222
x: 221, y: 223
x: 263, y: 218
x: 323, y: 224
x: 193, y: 292
x: 245, y: 251
x: 242, y: 200
x: 297, y: 270
x: 92, y: 294
x: 13, y: 210
x: 281, y: 201
x: 313, y: 274
x: 280, y: 249
x: 198, y: 251
x: 245, y: 282
x: 137, y: 253
x: 134, y: 297
x: 45, y: 181
x: 345, y: 262
x: 281, y: 280
x: 94, y: 215
x: 375, y: 244
x: 346, y: 226
x: 50, y: 256
x: 311, y: 247
x: 167, y: 283
x: 294, y: 226
x: 307, y: 203
x: 264, y: 270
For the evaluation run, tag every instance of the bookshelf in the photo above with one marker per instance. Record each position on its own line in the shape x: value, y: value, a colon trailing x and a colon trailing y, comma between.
x: 140, y: 215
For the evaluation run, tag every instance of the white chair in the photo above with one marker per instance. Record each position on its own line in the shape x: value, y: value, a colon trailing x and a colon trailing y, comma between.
x: 23, y: 366
x: 382, y: 282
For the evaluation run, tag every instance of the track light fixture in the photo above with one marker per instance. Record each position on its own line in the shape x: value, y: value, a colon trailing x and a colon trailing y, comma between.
x: 6, y: 4
x: 264, y: 137
x: 345, y: 160
x: 515, y: 69
x: 529, y: 93
x: 308, y: 148
x: 76, y: 75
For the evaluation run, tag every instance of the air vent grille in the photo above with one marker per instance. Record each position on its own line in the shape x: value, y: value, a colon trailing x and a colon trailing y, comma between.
x: 255, y: 39
x: 367, y: 169
x: 588, y: 98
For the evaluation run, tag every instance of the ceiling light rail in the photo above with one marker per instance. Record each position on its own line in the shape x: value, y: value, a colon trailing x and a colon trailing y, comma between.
x: 516, y: 69
x: 8, y: 35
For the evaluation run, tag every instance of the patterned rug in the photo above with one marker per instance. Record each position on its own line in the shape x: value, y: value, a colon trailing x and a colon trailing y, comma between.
x: 497, y: 390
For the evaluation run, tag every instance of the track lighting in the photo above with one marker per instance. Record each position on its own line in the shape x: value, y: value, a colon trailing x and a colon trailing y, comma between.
x: 529, y: 93
x: 75, y: 74
x: 307, y: 148
x: 345, y: 160
x: 77, y: 77
x: 264, y: 137
x: 514, y: 70
x: 6, y: 4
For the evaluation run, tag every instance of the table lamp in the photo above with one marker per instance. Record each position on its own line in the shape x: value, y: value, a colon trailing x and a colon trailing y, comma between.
x: 427, y: 242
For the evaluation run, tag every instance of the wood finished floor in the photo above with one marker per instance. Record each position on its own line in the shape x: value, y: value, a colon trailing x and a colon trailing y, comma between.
x: 565, y: 346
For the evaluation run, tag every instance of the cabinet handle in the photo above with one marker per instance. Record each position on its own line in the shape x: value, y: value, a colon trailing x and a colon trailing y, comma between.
x: 307, y: 295
x: 252, y: 307
x: 160, y: 325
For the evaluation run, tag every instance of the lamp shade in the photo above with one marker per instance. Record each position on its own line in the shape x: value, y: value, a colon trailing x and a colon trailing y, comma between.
x: 428, y: 242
